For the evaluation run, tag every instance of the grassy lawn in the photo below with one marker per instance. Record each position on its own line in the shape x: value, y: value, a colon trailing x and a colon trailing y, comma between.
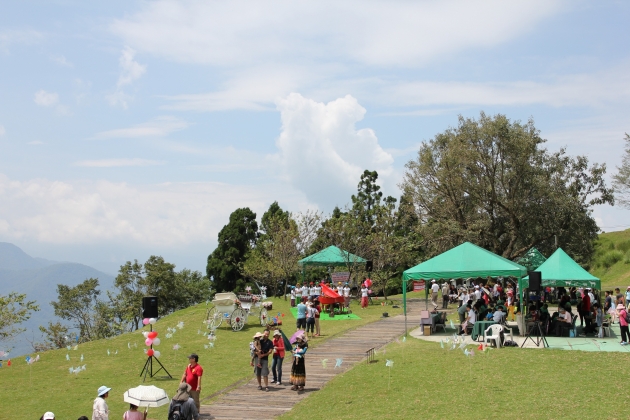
x: 50, y: 387
x: 611, y: 262
x: 429, y: 382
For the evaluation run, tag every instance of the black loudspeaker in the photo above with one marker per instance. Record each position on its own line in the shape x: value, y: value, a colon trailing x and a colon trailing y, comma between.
x: 535, y: 281
x: 368, y: 266
x: 149, y: 307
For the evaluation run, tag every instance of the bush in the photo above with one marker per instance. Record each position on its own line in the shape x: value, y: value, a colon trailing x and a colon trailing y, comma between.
x: 623, y: 246
x: 611, y: 257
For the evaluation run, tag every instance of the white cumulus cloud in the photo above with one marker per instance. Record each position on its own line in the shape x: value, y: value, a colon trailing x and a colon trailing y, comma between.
x: 321, y: 151
x: 88, y: 212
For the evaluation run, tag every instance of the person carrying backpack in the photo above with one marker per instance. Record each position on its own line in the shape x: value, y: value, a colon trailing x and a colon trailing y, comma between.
x: 182, y: 405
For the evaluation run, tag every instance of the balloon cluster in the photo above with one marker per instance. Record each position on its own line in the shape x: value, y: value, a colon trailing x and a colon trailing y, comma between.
x: 151, y: 338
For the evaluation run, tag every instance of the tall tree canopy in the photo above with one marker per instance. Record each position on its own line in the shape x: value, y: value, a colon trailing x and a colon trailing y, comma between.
x: 236, y: 239
x: 489, y: 181
x: 621, y: 180
x: 14, y: 309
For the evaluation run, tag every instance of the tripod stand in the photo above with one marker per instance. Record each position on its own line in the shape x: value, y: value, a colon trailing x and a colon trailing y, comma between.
x: 148, y: 366
x: 536, y: 329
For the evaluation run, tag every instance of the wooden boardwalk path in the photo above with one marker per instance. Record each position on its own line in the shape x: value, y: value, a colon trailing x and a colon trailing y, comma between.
x: 247, y: 402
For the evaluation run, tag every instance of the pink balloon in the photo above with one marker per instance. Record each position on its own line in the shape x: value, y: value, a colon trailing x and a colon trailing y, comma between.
x: 148, y: 341
x: 145, y: 321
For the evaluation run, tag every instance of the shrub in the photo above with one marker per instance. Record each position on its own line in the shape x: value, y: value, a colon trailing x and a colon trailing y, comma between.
x: 611, y: 257
x: 623, y: 246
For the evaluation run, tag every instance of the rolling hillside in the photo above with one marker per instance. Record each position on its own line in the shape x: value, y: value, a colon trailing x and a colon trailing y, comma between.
x: 611, y: 262
x: 38, y: 278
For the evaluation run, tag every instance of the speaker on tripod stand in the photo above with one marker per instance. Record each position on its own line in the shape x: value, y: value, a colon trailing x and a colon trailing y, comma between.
x: 150, y: 310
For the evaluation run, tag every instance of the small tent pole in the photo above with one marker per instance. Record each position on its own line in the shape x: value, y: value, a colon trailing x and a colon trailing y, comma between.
x: 405, y: 302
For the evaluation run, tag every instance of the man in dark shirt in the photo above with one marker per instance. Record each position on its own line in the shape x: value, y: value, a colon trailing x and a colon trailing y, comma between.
x: 266, y: 348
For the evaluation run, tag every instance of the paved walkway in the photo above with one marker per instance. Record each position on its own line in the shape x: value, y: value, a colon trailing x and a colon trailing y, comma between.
x: 247, y: 402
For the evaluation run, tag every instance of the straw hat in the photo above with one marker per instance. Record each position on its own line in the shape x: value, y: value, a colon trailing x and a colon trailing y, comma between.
x: 276, y: 332
x: 257, y: 335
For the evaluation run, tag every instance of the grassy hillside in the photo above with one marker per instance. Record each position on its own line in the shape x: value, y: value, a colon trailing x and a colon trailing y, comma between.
x: 611, y: 262
x: 52, y: 388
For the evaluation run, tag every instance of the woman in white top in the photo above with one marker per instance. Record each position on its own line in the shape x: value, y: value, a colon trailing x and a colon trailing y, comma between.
x: 364, y: 297
x: 346, y: 295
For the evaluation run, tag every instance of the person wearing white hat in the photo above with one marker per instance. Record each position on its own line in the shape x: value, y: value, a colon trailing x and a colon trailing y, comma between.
x: 434, y: 293
x: 48, y: 415
x: 100, y: 411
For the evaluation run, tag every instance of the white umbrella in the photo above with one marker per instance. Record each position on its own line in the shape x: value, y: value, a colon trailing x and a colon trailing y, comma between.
x: 146, y: 396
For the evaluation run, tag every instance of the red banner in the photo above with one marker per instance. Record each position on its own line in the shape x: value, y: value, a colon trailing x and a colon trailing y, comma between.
x: 418, y: 286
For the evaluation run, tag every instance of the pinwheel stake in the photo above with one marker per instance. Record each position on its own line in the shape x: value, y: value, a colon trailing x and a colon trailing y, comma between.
x: 390, y: 365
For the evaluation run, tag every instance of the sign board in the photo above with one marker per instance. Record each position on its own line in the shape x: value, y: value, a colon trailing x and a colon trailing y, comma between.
x: 342, y: 276
x: 418, y: 286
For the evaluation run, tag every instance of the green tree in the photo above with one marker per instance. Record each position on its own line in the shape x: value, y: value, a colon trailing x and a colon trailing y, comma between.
x: 489, y: 181
x: 235, y: 240
x: 81, y: 306
x: 368, y: 198
x: 621, y: 180
x: 56, y: 337
x: 14, y: 309
x: 156, y: 277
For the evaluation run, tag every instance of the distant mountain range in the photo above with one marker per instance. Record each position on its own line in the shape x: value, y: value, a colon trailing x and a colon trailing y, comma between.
x: 38, y: 278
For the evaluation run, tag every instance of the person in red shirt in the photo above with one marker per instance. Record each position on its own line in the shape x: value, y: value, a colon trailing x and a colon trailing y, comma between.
x: 278, y: 357
x: 192, y: 376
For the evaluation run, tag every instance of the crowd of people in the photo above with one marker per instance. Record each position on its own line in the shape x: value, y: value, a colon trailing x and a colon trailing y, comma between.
x: 185, y: 402
x: 499, y: 302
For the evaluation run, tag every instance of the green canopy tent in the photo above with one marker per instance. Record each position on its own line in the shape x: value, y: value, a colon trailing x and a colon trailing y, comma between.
x: 560, y: 270
x: 532, y: 259
x: 330, y: 257
x: 465, y: 260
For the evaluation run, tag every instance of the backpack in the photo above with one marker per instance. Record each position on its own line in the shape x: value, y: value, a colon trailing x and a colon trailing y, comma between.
x: 176, y: 412
x: 627, y: 316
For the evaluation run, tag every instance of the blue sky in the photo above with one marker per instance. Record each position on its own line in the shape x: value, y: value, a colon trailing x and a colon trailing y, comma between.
x: 135, y: 128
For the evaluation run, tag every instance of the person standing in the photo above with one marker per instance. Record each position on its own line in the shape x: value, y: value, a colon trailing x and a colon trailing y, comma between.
x: 364, y: 296
x: 278, y: 357
x: 434, y: 293
x: 305, y: 290
x: 298, y: 293
x: 192, y: 376
x: 262, y: 372
x: 346, y: 296
x: 134, y: 414
x: 183, y: 403
x: 318, y: 311
x: 301, y: 316
x: 445, y: 292
x: 298, y: 368
x: 293, y: 295
x: 623, y: 324
x: 100, y: 411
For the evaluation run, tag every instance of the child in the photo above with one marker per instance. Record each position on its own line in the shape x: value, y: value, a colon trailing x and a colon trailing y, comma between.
x: 254, y: 350
x: 134, y: 414
x: 293, y: 295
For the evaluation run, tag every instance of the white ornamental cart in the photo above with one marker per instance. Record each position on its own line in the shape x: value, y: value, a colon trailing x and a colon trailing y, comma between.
x: 235, y: 310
